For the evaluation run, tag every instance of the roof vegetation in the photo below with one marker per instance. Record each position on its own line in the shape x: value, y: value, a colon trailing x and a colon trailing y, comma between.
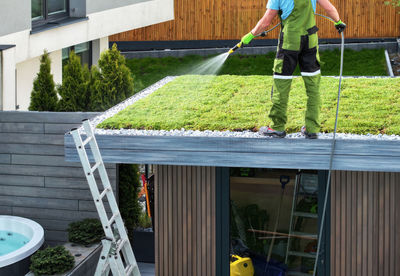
x: 146, y: 71
x: 240, y: 103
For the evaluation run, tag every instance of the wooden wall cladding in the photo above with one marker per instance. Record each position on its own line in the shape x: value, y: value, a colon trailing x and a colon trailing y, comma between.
x: 231, y: 19
x: 365, y: 237
x: 185, y: 234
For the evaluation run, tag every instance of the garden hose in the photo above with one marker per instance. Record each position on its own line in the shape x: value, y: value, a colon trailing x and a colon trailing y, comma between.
x: 328, y: 184
x: 264, y: 33
x: 239, y: 45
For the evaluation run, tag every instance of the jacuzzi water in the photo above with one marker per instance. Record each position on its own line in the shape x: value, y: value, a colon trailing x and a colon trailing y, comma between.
x: 11, y: 241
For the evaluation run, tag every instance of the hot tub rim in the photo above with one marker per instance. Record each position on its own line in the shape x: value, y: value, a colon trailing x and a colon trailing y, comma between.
x: 28, y: 249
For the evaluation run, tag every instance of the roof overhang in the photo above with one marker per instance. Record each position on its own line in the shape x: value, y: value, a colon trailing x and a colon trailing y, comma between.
x: 349, y: 155
x: 166, y: 148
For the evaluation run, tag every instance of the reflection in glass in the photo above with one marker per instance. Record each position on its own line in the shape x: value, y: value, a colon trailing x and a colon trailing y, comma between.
x: 37, y: 9
x: 56, y: 6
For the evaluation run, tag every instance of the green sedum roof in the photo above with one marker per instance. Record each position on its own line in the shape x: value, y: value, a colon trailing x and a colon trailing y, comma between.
x: 242, y: 102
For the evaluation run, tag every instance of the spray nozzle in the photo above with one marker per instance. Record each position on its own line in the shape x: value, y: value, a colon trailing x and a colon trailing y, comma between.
x: 237, y: 46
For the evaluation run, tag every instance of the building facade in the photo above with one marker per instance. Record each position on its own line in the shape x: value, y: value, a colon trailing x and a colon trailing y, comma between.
x: 29, y: 27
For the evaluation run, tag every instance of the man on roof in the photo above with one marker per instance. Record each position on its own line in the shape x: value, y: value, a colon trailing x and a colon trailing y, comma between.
x: 298, y: 43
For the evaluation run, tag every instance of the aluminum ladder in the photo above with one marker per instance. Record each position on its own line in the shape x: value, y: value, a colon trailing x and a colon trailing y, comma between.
x: 117, y: 254
x: 295, y: 214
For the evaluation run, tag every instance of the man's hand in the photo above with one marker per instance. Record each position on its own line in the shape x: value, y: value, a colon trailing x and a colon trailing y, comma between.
x: 247, y: 38
x: 340, y: 26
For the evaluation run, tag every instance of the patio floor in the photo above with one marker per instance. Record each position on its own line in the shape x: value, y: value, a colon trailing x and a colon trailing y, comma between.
x: 147, y: 269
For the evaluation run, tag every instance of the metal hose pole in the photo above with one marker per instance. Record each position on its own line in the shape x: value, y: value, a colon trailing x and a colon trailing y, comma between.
x: 328, y: 185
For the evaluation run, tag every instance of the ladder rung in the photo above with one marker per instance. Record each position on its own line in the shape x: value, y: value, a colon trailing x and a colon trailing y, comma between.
x: 305, y: 215
x: 95, y: 167
x: 305, y: 235
x: 121, y: 245
x: 302, y: 254
x: 129, y: 270
x: 103, y: 194
x: 112, y: 219
x: 87, y: 140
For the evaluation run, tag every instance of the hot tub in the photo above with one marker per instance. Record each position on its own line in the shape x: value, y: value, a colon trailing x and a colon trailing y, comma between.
x: 19, y: 239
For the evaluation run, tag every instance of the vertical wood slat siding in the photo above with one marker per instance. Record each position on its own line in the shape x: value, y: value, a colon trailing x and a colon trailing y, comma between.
x: 185, y: 220
x: 365, y: 224
x: 221, y: 19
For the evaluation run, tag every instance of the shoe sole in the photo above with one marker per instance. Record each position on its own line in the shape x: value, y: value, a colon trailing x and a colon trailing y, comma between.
x: 273, y: 135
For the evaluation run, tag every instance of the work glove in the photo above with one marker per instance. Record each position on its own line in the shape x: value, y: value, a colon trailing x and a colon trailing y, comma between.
x: 247, y: 38
x: 340, y: 26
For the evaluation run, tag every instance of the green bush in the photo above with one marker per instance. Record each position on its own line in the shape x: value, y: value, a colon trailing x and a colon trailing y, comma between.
x: 74, y: 91
x: 85, y: 232
x: 113, y: 83
x: 44, y: 96
x: 129, y: 187
x: 52, y: 260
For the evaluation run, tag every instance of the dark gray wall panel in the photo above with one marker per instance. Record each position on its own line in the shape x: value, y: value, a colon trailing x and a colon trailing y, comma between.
x: 45, y: 117
x: 35, y: 181
x: 5, y: 158
x: 21, y: 128
x: 22, y: 180
x: 93, y: 6
x: 62, y: 204
x: 15, y: 16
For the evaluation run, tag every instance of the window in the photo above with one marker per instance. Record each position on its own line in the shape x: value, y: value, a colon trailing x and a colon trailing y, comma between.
x: 46, y: 11
x: 274, y: 216
x: 83, y: 50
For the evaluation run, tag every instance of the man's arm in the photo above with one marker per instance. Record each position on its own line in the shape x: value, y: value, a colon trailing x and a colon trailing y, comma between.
x: 264, y: 22
x: 330, y: 9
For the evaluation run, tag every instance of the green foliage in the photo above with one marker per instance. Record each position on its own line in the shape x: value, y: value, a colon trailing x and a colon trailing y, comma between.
x: 144, y: 220
x: 249, y: 217
x: 147, y: 71
x: 242, y: 103
x: 394, y: 3
x: 85, y: 232
x: 52, y: 260
x: 74, y: 91
x: 129, y: 187
x: 44, y: 96
x: 113, y: 83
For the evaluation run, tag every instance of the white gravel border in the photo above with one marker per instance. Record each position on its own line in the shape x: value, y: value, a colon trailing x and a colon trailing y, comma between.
x: 208, y: 133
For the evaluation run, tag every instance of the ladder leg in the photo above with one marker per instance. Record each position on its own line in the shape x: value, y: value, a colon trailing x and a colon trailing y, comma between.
x: 111, y: 252
x: 103, y: 267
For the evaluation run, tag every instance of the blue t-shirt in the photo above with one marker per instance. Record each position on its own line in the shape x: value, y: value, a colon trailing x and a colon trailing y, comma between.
x: 286, y: 6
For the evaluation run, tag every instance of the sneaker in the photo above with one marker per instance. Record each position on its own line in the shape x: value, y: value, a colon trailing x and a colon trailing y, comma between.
x: 307, y: 134
x: 267, y: 131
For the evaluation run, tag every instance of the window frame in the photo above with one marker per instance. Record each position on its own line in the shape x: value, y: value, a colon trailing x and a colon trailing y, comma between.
x: 50, y: 18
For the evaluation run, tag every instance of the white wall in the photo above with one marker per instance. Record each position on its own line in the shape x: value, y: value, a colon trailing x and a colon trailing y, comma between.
x: 98, y: 46
x: 99, y: 25
x: 9, y: 79
x: 27, y: 72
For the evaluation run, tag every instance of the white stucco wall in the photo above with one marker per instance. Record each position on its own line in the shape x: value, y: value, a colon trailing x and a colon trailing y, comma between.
x: 8, y: 79
x: 27, y: 72
x: 29, y: 47
x: 98, y: 46
x: 99, y: 25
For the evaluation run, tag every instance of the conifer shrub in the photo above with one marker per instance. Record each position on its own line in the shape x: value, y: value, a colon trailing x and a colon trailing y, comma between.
x: 113, y: 83
x: 52, y: 260
x: 44, y: 96
x: 85, y: 232
x: 74, y: 91
x: 129, y: 187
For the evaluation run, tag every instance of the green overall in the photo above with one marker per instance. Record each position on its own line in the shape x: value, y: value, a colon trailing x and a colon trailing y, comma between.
x: 298, y: 43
